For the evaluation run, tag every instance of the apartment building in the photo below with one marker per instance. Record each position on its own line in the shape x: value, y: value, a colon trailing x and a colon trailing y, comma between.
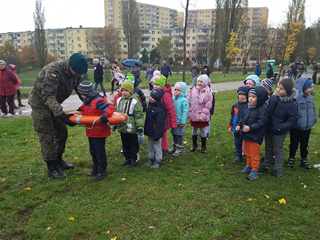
x: 18, y: 39
x: 151, y: 16
x: 256, y: 17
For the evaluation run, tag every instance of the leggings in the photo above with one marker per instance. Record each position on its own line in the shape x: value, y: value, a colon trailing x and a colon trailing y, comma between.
x: 202, y: 131
x: 165, y: 142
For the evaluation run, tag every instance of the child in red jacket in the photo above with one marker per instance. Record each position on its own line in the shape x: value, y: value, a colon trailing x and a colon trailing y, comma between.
x: 96, y: 105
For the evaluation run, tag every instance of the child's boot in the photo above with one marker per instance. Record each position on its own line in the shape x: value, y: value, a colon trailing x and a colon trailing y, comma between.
x: 149, y: 162
x: 93, y: 173
x: 194, y: 143
x: 102, y: 173
x: 305, y: 163
x: 126, y: 161
x: 156, y: 164
x: 134, y: 163
x: 53, y: 170
x: 178, y: 151
x: 253, y: 175
x: 173, y: 149
x: 291, y: 162
x: 164, y: 155
x: 238, y: 158
x: 203, y: 145
x: 246, y: 169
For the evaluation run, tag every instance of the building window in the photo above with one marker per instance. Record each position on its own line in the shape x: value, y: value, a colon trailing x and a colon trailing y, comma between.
x: 79, y: 38
x: 78, y: 31
x: 70, y: 32
x: 153, y: 39
x: 71, y: 52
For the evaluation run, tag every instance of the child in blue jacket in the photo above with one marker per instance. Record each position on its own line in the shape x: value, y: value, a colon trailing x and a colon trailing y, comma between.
x: 154, y: 127
x: 307, y: 118
x: 236, y: 111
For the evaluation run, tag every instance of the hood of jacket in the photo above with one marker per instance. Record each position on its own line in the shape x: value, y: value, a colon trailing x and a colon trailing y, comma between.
x: 168, y: 89
x: 184, y: 89
x: 262, y: 95
x: 254, y: 78
x: 290, y: 97
x: 244, y: 88
x: 300, y: 83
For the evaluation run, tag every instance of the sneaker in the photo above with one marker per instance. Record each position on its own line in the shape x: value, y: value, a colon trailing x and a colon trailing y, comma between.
x: 3, y: 114
x: 253, y: 175
x: 149, y: 163
x: 207, y: 136
x: 316, y: 166
x: 263, y: 169
x: 246, y: 170
x: 305, y: 164
x: 9, y: 115
x: 156, y: 165
x: 276, y: 174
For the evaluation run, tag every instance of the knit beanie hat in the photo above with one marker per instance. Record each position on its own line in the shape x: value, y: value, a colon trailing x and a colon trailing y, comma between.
x: 287, y: 84
x: 160, y: 80
x: 178, y: 86
x: 307, y: 84
x: 85, y: 87
x: 156, y: 73
x: 268, y: 84
x: 78, y: 63
x: 130, y: 76
x: 157, y: 94
x: 253, y: 91
x: 1, y: 61
x: 250, y: 82
x: 128, y: 85
x: 203, y: 78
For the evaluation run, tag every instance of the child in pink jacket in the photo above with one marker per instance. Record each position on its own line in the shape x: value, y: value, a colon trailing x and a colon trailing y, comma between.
x: 200, y: 101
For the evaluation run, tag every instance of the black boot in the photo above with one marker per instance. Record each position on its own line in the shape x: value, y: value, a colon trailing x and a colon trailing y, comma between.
x: 305, y: 164
x: 126, y: 162
x: 102, y: 173
x: 53, y: 170
x: 64, y: 164
x: 93, y: 173
x: 203, y: 145
x: 238, y: 158
x: 291, y: 162
x: 134, y: 163
x: 194, y: 143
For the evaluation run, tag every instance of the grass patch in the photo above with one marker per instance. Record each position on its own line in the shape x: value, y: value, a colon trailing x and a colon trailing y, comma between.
x: 194, y: 196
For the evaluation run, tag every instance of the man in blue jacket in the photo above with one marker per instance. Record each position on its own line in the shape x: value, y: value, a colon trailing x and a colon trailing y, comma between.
x: 258, y: 69
x: 165, y: 69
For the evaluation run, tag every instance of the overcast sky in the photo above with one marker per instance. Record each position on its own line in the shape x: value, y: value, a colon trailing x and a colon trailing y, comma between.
x: 16, y: 15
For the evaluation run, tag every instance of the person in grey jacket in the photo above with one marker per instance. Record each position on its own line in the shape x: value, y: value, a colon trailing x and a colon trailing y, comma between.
x: 307, y: 118
x: 149, y: 74
x: 194, y: 74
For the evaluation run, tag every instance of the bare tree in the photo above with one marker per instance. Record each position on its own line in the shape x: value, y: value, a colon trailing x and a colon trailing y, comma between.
x: 106, y: 42
x: 39, y: 34
x: 184, y: 37
x: 131, y: 28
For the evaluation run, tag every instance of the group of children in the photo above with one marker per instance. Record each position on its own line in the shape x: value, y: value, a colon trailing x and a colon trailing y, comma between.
x: 257, y: 114
x: 260, y: 113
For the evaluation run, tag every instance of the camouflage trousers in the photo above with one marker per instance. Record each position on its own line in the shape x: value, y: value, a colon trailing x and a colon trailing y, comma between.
x: 53, y: 133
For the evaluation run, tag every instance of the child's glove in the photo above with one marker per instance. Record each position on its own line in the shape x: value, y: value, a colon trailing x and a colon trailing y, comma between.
x: 104, y: 119
x: 140, y: 131
x: 66, y: 119
x: 114, y: 128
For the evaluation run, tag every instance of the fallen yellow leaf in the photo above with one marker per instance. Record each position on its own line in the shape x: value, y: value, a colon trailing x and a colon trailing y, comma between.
x: 150, y: 227
x: 227, y: 210
x: 115, y: 238
x: 35, y: 151
x: 77, y: 178
x: 30, y: 154
x: 116, y: 158
x: 282, y: 201
x: 71, y: 219
x: 3, y: 179
x: 75, y: 158
x: 266, y: 196
x: 302, y: 183
x: 249, y: 200
x: 305, y: 186
x: 49, y: 228
x: 26, y: 189
x: 179, y: 184
x: 222, y: 165
x: 108, y: 231
x: 123, y: 179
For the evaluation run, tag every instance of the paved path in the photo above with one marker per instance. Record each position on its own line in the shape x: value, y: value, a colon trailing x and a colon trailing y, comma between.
x: 73, y: 102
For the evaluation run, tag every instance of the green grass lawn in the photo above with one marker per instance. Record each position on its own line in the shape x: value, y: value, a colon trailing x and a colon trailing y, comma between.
x: 194, y: 196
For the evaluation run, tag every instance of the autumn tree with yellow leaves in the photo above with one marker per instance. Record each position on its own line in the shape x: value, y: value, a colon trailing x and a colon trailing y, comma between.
x: 231, y: 50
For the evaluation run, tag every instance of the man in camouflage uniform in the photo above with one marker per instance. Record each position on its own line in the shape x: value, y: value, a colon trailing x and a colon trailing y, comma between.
x: 54, y: 84
x: 315, y: 71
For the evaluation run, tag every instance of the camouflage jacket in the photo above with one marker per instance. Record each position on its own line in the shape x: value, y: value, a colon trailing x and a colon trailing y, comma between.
x: 53, y: 85
x: 315, y: 66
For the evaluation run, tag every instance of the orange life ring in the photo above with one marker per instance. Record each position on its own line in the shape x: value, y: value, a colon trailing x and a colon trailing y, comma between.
x: 78, y: 118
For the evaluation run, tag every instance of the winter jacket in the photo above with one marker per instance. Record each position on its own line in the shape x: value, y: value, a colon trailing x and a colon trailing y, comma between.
x: 8, y: 80
x: 270, y: 73
x: 181, y: 105
x: 133, y: 108
x: 141, y: 98
x: 166, y: 70
x: 205, y: 70
x: 171, y: 119
x: 254, y: 78
x: 136, y: 74
x: 115, y: 98
x: 155, y: 120
x: 149, y: 72
x: 98, y: 106
x: 257, y: 71
x: 98, y: 73
x: 282, y: 113
x: 194, y: 72
x: 306, y: 109
x: 200, y: 101
x: 255, y: 118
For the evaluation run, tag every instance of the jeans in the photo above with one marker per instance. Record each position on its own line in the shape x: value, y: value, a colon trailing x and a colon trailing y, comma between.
x: 101, y: 86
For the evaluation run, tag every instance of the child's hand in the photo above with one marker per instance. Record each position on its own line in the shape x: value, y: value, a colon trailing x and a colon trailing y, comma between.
x: 246, y: 128
x: 230, y: 130
x: 237, y: 128
x: 181, y: 125
x: 201, y: 119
